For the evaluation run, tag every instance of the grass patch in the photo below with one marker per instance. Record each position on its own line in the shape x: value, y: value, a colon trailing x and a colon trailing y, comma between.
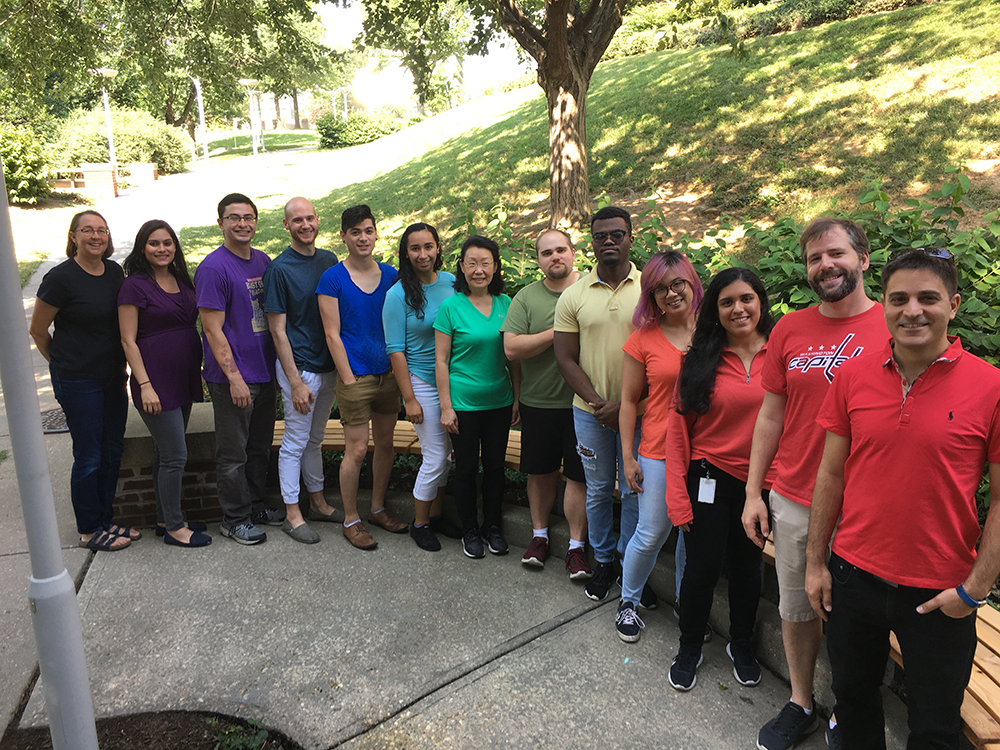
x: 901, y: 94
x: 234, y: 145
x: 26, y: 268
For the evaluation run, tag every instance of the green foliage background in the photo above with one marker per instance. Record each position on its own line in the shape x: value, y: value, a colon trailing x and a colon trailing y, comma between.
x: 24, y: 165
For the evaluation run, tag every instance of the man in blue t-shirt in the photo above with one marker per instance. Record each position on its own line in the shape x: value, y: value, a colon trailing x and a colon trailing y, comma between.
x: 239, y: 370
x: 304, y: 367
x: 351, y: 295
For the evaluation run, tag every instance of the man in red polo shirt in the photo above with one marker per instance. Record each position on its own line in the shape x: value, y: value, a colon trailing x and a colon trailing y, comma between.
x: 805, y: 350
x: 909, y: 431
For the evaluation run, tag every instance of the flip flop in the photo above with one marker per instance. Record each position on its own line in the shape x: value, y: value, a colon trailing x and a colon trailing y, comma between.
x: 127, y: 531
x: 103, y: 541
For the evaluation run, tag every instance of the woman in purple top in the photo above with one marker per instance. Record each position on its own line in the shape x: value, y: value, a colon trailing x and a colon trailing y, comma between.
x: 156, y: 315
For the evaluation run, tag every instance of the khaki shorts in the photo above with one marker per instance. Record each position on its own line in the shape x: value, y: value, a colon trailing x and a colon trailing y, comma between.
x: 790, y: 527
x: 367, y: 394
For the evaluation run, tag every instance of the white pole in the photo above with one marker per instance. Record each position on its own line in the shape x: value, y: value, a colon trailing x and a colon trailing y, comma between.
x: 51, y: 592
x: 111, y: 134
x: 201, y: 118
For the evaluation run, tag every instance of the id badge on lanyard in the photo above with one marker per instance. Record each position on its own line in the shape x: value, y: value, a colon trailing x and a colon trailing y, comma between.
x: 706, y: 486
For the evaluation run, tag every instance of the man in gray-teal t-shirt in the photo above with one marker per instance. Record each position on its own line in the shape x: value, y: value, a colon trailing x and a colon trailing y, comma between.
x: 304, y: 367
x: 548, y: 439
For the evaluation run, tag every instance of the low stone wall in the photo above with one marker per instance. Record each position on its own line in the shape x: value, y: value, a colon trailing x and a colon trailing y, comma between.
x: 135, y: 503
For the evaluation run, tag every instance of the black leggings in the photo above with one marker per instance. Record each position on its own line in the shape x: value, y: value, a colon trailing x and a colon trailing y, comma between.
x: 717, y: 539
x: 484, y: 431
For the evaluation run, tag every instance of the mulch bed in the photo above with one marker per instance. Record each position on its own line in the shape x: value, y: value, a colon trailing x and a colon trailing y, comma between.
x: 169, y: 730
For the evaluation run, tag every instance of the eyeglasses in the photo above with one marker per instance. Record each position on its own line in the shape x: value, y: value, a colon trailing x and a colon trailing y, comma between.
x: 676, y: 286
x: 486, y: 265
x: 616, y: 234
x: 90, y: 232
x: 236, y: 218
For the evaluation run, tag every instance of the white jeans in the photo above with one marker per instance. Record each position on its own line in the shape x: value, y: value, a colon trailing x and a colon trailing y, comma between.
x: 435, y: 443
x: 300, y: 446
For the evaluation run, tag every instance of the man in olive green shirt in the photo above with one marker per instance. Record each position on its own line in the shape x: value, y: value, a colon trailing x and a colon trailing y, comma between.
x: 548, y: 439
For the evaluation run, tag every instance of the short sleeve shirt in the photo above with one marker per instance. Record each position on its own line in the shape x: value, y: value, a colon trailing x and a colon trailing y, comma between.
x: 224, y: 281
x: 602, y: 316
x: 479, y: 379
x: 533, y: 310
x: 360, y: 317
x: 86, y: 344
x: 290, y: 287
x: 909, y: 513
x: 412, y: 335
x: 804, y: 352
x: 662, y: 361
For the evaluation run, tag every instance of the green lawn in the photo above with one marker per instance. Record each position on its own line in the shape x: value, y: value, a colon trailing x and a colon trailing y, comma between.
x: 242, y: 145
x: 797, y: 126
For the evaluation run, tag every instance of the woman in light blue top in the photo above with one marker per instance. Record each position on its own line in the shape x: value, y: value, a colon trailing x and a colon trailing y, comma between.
x: 408, y: 319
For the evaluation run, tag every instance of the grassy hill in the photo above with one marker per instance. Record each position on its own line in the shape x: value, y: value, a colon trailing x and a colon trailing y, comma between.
x: 798, y: 125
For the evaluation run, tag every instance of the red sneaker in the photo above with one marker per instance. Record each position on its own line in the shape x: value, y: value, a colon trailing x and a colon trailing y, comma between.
x: 537, y: 553
x: 576, y: 564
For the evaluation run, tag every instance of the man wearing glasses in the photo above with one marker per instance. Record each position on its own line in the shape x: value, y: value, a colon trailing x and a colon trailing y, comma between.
x: 548, y: 439
x: 804, y: 351
x: 239, y: 370
x: 910, y: 428
x: 593, y: 320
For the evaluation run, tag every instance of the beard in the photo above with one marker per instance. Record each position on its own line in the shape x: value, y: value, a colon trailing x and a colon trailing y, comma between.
x: 558, y: 274
x: 850, y: 280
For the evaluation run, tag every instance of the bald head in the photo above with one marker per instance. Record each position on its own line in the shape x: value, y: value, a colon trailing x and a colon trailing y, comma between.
x: 302, y: 224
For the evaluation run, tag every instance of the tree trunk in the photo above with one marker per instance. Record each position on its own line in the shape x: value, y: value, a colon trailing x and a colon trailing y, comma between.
x: 295, y: 108
x: 569, y: 183
x: 277, y: 113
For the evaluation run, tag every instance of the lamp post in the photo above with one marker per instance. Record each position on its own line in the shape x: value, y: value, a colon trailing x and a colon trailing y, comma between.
x: 250, y: 84
x: 203, y: 132
x: 108, y: 73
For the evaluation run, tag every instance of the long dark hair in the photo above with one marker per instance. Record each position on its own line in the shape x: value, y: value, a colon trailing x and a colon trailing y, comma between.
x: 412, y: 288
x: 496, y: 283
x: 701, y: 363
x: 136, y: 262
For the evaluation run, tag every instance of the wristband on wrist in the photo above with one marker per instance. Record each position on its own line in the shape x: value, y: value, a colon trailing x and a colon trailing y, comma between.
x: 967, y: 599
x: 145, y: 382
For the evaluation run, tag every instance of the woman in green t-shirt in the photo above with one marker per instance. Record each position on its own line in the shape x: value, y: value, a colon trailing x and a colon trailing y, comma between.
x: 478, y: 389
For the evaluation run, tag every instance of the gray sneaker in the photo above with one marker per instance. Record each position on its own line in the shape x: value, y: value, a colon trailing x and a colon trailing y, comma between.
x: 268, y: 516
x: 244, y: 533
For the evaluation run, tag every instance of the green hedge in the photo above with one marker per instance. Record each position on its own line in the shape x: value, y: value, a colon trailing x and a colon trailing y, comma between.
x: 361, y: 127
x: 138, y: 135
x: 24, y: 165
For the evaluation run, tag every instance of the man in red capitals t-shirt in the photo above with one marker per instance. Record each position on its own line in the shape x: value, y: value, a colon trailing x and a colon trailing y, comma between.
x: 804, y: 352
x: 909, y: 430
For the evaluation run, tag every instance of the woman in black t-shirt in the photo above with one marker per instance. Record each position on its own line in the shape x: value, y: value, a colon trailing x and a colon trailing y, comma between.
x: 87, y: 366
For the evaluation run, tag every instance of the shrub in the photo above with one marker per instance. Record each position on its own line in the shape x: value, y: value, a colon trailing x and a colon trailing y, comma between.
x: 331, y: 130
x: 23, y: 164
x: 138, y: 137
x: 361, y: 127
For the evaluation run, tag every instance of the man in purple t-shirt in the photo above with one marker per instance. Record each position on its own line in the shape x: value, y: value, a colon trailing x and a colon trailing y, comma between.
x: 239, y: 370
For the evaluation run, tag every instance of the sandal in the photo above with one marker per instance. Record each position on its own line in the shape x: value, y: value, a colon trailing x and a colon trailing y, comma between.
x: 126, y: 531
x: 105, y: 541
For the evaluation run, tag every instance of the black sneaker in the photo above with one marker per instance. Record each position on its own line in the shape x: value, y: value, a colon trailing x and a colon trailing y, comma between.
x: 648, y: 599
x: 425, y: 538
x: 268, y: 516
x: 683, y: 674
x: 441, y: 525
x: 787, y: 728
x: 472, y: 545
x: 628, y: 623
x: 598, y: 586
x: 745, y: 666
x: 496, y: 542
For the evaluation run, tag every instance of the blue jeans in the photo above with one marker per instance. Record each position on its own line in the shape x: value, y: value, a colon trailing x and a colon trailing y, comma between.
x: 600, y: 450
x: 651, y: 532
x: 96, y: 412
x: 937, y: 654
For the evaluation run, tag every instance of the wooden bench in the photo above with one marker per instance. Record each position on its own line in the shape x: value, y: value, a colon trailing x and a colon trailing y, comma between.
x: 404, y: 441
x: 981, y: 708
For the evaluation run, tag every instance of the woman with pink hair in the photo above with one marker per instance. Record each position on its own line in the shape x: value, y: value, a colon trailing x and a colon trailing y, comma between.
x: 664, y: 322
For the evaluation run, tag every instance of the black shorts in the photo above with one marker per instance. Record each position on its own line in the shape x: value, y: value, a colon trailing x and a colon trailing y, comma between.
x: 548, y: 442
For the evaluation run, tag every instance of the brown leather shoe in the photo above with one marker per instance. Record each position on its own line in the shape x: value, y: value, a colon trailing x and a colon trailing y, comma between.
x: 388, y: 522
x: 358, y: 536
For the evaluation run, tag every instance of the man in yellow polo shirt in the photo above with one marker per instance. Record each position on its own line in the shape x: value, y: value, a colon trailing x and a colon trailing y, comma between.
x: 593, y: 320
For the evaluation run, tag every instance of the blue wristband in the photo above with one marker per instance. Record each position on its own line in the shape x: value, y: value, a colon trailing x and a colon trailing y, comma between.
x: 968, y: 600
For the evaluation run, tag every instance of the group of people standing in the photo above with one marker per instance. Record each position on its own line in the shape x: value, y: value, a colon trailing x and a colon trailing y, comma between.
x: 688, y: 400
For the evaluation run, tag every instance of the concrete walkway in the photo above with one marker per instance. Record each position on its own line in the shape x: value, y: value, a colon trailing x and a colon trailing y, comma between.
x: 391, y: 648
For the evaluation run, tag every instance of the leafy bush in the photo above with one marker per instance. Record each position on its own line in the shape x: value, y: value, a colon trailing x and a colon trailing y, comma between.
x: 361, y: 127
x: 23, y: 164
x: 138, y: 137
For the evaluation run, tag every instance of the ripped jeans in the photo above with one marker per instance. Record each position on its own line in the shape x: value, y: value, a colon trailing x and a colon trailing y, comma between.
x: 600, y: 451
